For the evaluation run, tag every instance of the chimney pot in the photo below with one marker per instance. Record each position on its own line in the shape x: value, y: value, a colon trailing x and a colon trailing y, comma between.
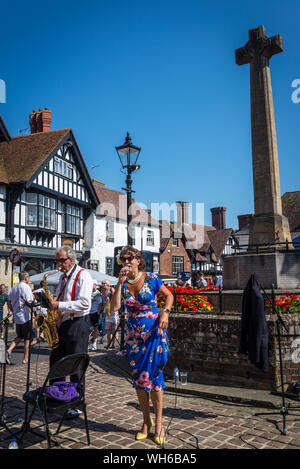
x: 182, y: 212
x: 40, y: 120
x: 244, y: 220
x: 218, y: 217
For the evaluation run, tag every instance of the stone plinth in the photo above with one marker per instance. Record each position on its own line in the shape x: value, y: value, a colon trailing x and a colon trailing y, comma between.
x: 206, y: 346
x: 279, y: 268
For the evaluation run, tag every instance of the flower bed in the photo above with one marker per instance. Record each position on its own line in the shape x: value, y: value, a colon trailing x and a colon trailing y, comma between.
x: 186, y: 302
x: 288, y: 304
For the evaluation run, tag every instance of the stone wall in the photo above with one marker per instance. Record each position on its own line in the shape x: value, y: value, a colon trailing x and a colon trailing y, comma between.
x: 207, y: 347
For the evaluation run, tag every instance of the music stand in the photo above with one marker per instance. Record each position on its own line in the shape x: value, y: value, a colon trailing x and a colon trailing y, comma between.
x: 26, y: 426
x: 4, y: 322
x: 279, y: 322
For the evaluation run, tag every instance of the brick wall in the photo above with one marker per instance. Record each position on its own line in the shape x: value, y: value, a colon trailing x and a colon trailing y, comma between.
x: 168, y: 253
x: 207, y: 347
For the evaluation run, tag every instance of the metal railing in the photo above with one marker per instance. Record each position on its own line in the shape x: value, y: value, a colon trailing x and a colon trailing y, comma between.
x: 265, y: 247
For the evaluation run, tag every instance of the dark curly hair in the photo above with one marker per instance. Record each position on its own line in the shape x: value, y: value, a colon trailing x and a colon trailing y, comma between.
x: 135, y: 253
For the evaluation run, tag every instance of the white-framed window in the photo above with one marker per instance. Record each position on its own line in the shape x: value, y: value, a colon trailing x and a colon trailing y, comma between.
x: 150, y: 238
x: 175, y: 242
x: 64, y: 168
x: 72, y: 219
x: 177, y: 264
x: 40, y: 211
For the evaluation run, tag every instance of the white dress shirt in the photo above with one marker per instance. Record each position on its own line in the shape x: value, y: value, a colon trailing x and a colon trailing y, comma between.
x: 81, y: 305
x: 17, y: 296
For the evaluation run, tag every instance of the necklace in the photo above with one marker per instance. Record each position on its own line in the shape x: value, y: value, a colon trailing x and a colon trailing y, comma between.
x: 135, y: 280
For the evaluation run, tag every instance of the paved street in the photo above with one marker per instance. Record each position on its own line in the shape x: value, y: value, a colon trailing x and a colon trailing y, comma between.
x: 192, y: 422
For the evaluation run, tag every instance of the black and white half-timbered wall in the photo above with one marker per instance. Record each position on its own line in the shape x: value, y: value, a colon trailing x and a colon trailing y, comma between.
x: 46, y: 194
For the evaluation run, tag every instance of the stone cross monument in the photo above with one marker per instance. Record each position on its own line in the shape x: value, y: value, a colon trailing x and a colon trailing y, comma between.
x: 268, y: 224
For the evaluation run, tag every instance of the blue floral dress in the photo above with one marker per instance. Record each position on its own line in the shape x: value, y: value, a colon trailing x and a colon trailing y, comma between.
x: 147, y: 349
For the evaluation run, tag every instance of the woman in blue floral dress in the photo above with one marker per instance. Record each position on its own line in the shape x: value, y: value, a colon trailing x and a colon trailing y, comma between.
x: 147, y: 344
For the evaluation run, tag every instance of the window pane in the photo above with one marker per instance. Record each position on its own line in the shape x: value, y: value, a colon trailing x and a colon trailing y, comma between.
x: 68, y: 223
x: 52, y: 219
x: 41, y: 200
x: 31, y: 218
x: 31, y: 198
x: 68, y: 209
x: 52, y: 203
x: 47, y: 218
x: 77, y: 226
x: 46, y: 201
x: 41, y: 217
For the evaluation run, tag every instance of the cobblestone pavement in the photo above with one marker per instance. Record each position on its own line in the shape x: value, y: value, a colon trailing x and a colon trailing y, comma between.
x: 192, y: 422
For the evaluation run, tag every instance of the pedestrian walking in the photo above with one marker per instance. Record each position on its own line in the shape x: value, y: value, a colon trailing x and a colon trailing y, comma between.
x: 17, y: 297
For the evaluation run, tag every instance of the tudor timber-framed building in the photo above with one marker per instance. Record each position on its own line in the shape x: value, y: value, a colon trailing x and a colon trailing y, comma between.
x: 46, y: 195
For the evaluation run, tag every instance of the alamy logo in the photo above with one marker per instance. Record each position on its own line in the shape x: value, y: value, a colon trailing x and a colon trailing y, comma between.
x: 296, y: 94
x: 2, y: 91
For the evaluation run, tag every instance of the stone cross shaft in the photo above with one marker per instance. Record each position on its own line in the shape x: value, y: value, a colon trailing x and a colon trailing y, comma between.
x: 268, y: 223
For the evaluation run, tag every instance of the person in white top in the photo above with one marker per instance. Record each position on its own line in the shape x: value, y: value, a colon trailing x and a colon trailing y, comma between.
x: 72, y: 302
x: 17, y: 298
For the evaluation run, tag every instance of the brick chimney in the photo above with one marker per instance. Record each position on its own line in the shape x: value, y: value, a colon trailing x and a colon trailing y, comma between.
x: 40, y: 120
x: 182, y: 212
x: 218, y: 217
x: 244, y: 220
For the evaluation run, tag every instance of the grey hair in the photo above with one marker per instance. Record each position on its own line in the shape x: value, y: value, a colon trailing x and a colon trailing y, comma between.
x: 23, y: 275
x: 69, y: 252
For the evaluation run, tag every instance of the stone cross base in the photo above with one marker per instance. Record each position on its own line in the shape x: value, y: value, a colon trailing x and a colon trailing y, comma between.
x: 268, y: 229
x: 279, y: 268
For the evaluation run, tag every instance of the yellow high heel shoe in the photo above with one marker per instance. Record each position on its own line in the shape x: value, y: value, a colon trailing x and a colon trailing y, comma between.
x: 160, y: 440
x: 143, y: 436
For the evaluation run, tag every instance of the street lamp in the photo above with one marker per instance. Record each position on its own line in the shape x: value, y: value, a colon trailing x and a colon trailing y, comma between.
x: 128, y: 155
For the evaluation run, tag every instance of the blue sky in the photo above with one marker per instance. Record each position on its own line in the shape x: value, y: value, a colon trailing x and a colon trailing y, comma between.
x: 164, y: 71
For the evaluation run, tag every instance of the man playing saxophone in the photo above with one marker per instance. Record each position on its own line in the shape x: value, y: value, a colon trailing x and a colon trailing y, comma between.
x: 72, y: 301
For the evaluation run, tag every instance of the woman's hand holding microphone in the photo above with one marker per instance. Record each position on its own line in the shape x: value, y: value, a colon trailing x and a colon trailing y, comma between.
x: 123, y: 273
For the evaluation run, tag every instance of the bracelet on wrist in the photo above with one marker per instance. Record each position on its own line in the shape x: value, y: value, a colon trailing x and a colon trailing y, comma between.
x: 166, y: 310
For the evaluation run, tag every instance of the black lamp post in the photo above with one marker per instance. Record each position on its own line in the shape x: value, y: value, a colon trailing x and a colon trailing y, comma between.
x: 128, y: 155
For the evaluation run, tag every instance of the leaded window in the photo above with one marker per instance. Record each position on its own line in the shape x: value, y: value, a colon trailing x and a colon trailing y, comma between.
x: 40, y: 211
x: 64, y: 168
x: 72, y: 217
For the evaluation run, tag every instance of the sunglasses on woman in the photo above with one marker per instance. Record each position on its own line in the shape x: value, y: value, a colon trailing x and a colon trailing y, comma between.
x: 128, y: 258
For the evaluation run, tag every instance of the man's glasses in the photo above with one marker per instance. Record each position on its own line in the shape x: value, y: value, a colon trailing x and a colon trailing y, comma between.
x: 124, y: 259
x: 61, y: 260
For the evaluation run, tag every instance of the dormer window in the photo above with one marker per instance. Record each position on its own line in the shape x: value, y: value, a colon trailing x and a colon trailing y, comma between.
x: 63, y: 168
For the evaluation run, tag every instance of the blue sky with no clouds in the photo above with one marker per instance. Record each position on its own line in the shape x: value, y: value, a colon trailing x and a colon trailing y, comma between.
x: 164, y: 71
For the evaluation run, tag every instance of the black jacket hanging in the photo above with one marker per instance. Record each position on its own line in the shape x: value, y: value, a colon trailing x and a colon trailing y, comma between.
x: 254, y: 328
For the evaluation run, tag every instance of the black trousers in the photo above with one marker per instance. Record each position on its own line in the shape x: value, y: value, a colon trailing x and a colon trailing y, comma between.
x: 73, y: 338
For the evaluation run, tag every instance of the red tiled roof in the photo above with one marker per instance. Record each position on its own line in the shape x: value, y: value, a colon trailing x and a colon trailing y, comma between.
x: 23, y: 155
x: 218, y: 240
x: 195, y: 235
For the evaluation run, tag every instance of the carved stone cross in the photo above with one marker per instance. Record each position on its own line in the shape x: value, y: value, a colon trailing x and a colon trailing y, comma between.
x: 268, y: 225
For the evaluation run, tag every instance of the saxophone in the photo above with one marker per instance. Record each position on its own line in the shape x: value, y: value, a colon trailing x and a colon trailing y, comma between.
x: 47, y: 322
